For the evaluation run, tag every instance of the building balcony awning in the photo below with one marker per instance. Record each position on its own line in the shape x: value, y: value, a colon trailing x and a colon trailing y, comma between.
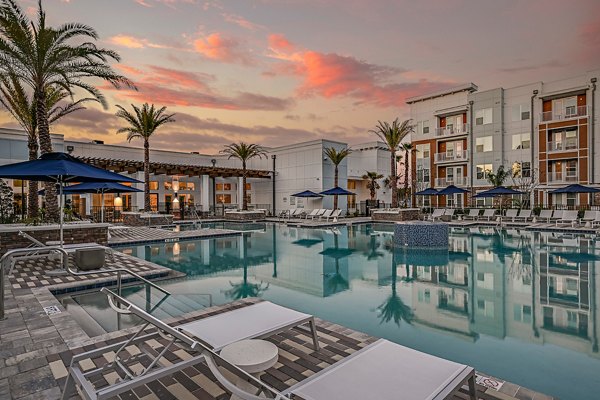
x: 556, y: 94
x: 451, y: 111
x: 132, y: 166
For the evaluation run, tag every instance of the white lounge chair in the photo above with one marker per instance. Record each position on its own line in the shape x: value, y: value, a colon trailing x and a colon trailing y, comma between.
x: 557, y: 215
x: 524, y: 215
x: 511, y: 214
x: 596, y: 220
x: 374, y: 372
x: 336, y: 214
x: 436, y: 214
x: 318, y: 214
x: 546, y: 214
x: 326, y: 214
x: 589, y: 217
x: 450, y: 212
x: 568, y: 217
x: 312, y: 213
x: 473, y: 214
x: 488, y: 214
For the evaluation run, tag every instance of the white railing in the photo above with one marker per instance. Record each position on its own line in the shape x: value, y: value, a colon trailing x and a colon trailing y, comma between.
x: 570, y: 176
x: 563, y: 145
x: 565, y: 113
x: 451, y: 156
x: 452, y: 130
x: 456, y: 181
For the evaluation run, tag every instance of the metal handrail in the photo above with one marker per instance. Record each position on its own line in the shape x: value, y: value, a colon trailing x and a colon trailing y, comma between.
x: 65, y: 261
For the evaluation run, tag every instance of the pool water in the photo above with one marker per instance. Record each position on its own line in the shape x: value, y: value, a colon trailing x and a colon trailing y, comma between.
x: 521, y: 306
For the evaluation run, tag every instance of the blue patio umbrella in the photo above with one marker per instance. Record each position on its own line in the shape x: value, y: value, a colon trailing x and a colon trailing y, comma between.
x: 306, y: 193
x: 497, y: 191
x: 451, y: 190
x: 337, y: 191
x: 427, y: 192
x: 60, y: 168
x: 575, y: 188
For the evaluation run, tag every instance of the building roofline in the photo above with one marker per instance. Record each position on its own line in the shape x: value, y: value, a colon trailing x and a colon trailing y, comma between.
x: 466, y: 87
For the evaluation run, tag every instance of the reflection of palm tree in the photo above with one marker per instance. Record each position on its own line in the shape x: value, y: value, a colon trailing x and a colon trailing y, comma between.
x: 393, y: 307
x: 372, y: 253
x: 245, y: 289
x: 337, y: 282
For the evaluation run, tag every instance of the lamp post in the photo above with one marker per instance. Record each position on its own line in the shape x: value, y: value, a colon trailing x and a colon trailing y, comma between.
x: 214, y: 187
x: 274, y: 157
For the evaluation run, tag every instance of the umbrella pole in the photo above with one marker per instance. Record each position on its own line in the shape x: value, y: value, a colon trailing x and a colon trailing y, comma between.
x: 62, y: 212
x: 102, y: 208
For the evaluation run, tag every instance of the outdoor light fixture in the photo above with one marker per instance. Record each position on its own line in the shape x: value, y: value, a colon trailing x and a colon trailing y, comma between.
x: 175, y: 184
x: 118, y: 202
x: 175, y: 203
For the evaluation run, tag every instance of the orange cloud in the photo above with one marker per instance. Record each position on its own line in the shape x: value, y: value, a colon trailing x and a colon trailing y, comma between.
x: 331, y: 75
x: 241, y: 22
x: 172, y: 87
x: 132, y: 42
x: 218, y: 47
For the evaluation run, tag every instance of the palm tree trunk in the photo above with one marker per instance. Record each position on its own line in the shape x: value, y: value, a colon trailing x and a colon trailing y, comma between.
x: 335, y: 184
x: 394, y: 181
x: 406, y: 168
x: 245, y: 199
x: 52, y: 211
x: 147, y: 207
x: 32, y: 196
x: 372, y: 193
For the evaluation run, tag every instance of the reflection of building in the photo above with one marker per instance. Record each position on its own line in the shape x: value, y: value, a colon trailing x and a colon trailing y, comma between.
x: 496, y: 287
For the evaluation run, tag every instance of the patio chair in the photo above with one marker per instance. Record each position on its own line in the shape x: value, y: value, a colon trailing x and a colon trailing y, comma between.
x: 568, y: 217
x: 326, y: 214
x: 376, y: 371
x: 318, y: 214
x: 556, y: 215
x: 336, y: 214
x: 473, y: 214
x: 437, y: 213
x: 284, y: 214
x: 312, y: 213
x: 450, y: 212
x: 589, y: 217
x: 488, y: 214
x: 596, y: 220
x: 511, y: 214
x: 546, y: 214
x: 524, y: 215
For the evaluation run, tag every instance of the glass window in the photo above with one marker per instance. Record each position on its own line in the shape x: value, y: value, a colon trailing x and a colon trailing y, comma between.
x: 484, y: 144
x: 187, y: 186
x: 521, y: 141
x: 248, y: 186
x: 224, y: 198
x: 153, y: 185
x: 422, y: 151
x: 223, y: 186
x: 526, y: 169
x: 571, y: 199
x: 483, y: 169
x: 483, y: 116
x: 521, y: 112
x: 168, y: 185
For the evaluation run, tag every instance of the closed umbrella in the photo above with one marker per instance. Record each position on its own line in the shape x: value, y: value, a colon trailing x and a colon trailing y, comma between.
x: 60, y: 168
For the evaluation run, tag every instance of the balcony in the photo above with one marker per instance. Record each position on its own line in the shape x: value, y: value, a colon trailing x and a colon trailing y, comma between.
x: 452, y: 130
x: 566, y: 113
x: 563, y: 177
x: 456, y: 181
x: 451, y: 156
x: 568, y: 144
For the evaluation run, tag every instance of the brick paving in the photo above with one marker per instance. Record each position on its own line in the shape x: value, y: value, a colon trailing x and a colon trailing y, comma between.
x: 130, y: 235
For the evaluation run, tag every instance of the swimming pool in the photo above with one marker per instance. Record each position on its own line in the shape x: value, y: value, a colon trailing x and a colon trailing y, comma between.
x: 521, y: 306
x: 234, y: 226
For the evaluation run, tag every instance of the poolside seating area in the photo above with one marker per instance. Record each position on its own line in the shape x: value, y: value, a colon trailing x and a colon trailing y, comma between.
x: 312, y: 215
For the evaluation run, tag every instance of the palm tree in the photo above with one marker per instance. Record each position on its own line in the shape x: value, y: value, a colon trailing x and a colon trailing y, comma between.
x: 16, y: 100
x: 372, y: 177
x: 142, y: 124
x: 336, y: 158
x: 42, y: 57
x: 499, y: 177
x: 408, y: 149
x: 244, y: 152
x: 392, y: 135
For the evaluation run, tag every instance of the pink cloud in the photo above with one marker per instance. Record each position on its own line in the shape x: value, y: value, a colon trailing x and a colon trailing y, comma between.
x: 172, y: 87
x: 133, y: 42
x: 241, y: 22
x: 219, y: 47
x: 331, y: 75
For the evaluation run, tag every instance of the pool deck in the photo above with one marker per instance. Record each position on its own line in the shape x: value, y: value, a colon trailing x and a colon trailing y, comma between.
x: 36, y: 346
x: 121, y: 235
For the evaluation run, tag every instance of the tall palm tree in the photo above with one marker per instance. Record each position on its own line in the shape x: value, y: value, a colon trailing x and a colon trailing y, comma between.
x: 408, y: 149
x: 499, y: 177
x: 17, y: 101
x: 392, y: 135
x: 244, y: 152
x: 142, y: 124
x: 42, y: 56
x: 372, y: 177
x: 336, y: 158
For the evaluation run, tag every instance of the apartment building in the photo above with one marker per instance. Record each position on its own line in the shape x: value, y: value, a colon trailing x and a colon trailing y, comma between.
x: 542, y: 132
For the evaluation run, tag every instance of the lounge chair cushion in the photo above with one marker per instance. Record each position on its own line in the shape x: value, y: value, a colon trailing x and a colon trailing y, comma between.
x: 89, y: 259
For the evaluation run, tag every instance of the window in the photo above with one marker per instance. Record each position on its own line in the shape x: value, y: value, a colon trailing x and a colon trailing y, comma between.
x: 521, y: 112
x: 17, y: 183
x: 187, y: 186
x: 153, y: 185
x: 484, y: 202
x: 522, y: 313
x: 483, y: 116
x: 565, y: 107
x: 168, y: 185
x: 351, y: 184
x: 572, y: 169
x: 571, y: 199
x: 484, y: 144
x: 223, y: 186
x: 248, y: 186
x: 422, y: 151
x: 483, y: 169
x: 521, y: 141
x: 423, y: 127
x: 224, y: 199
x: 449, y: 174
x: 423, y: 174
x: 526, y: 169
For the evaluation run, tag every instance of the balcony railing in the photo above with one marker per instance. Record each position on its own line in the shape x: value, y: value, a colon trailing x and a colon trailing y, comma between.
x: 456, y: 181
x: 452, y: 130
x: 565, y: 113
x: 570, y: 176
x: 563, y: 145
x: 451, y: 156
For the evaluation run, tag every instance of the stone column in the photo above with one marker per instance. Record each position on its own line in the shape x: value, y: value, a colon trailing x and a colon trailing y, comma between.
x: 240, y: 193
x: 205, y: 193
x: 137, y: 199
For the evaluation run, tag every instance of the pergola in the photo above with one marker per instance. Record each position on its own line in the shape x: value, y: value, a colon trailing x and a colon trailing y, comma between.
x: 158, y: 168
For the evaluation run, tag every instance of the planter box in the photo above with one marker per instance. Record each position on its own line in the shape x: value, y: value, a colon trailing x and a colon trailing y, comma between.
x: 255, y: 215
x: 146, y: 219
x: 398, y: 214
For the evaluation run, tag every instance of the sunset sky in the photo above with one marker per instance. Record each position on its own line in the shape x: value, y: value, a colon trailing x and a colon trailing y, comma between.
x: 281, y: 71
